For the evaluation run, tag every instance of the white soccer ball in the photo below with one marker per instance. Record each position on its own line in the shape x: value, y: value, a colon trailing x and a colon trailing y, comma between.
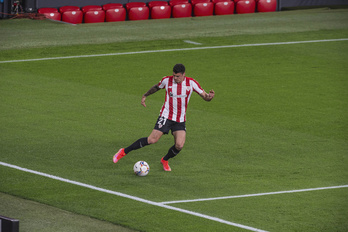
x: 141, y: 168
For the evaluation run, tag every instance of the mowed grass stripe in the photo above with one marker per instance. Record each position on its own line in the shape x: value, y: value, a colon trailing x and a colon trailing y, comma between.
x: 175, y: 50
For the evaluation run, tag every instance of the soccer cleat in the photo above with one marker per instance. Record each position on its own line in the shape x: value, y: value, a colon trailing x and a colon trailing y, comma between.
x: 119, y: 155
x: 165, y: 165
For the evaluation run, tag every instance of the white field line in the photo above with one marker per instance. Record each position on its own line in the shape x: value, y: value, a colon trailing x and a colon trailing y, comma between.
x: 132, y: 197
x: 174, y: 50
x: 254, y: 195
x: 192, y: 42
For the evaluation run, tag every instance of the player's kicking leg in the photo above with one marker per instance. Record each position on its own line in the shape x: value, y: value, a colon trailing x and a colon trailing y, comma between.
x: 140, y: 143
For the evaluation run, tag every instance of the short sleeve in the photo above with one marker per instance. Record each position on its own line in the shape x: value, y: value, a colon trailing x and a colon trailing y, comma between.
x: 163, y: 82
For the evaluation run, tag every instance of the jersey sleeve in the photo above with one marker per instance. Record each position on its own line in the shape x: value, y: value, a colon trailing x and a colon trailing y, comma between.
x: 196, y: 87
x: 162, y: 84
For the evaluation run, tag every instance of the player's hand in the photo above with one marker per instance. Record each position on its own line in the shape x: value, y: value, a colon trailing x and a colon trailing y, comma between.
x: 211, y: 94
x: 143, y: 101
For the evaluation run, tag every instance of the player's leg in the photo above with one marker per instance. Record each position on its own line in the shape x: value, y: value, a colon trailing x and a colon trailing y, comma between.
x: 179, y: 139
x: 161, y: 127
x: 154, y: 136
x: 140, y: 143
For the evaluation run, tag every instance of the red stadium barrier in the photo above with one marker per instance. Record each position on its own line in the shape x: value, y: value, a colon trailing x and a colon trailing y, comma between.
x: 68, y: 8
x: 245, y: 6
x: 203, y: 9
x: 112, y: 6
x: 156, y: 9
x: 177, y: 2
x: 266, y: 5
x: 116, y: 14
x: 161, y: 12
x: 91, y: 7
x: 157, y: 3
x: 194, y: 2
x: 47, y: 10
x: 74, y: 17
x: 182, y: 10
x: 50, y: 13
x: 138, y: 13
x: 94, y: 16
x: 135, y: 4
x: 224, y: 7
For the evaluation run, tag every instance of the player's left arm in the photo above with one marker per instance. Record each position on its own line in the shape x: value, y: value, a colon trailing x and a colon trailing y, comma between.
x: 207, y: 96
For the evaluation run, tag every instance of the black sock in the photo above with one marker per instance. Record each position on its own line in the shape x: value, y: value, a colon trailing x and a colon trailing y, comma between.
x: 136, y: 145
x: 171, y: 153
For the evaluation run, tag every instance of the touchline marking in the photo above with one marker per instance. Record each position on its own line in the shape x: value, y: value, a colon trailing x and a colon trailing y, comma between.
x: 173, y: 50
x: 132, y: 197
x: 255, y: 195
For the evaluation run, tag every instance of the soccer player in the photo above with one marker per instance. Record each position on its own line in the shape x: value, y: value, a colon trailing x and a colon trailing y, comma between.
x: 172, y: 115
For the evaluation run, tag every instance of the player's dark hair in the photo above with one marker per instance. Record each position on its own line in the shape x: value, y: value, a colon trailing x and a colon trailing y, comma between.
x: 179, y: 68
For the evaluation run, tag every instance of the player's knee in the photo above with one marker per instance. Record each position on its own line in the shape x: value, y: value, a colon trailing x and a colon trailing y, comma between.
x: 179, y: 146
x: 152, y: 140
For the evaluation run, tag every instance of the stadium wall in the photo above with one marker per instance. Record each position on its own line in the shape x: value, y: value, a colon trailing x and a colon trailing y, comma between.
x: 308, y: 3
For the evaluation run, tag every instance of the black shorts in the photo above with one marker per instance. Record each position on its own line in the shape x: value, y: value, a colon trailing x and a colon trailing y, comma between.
x: 164, y: 125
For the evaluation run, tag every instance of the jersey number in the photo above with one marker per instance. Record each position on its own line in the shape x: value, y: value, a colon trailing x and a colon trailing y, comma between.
x: 161, y: 121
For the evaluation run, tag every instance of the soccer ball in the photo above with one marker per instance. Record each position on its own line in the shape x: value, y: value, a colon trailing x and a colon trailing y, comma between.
x: 141, y: 168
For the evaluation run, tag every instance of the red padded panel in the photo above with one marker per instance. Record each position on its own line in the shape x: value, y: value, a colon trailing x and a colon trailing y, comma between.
x: 91, y: 7
x: 182, y: 10
x: 216, y: 1
x: 117, y: 14
x: 53, y: 15
x: 135, y: 4
x: 194, y: 2
x: 203, y: 9
x: 112, y: 6
x: 74, y: 17
x: 245, y: 6
x: 68, y: 8
x: 94, y: 16
x: 47, y: 10
x: 224, y: 8
x: 177, y: 2
x: 138, y: 13
x: 161, y: 12
x: 266, y: 5
x: 157, y: 3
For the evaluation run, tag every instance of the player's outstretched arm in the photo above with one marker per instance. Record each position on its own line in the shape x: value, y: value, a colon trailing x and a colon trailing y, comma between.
x: 208, y: 96
x: 152, y: 90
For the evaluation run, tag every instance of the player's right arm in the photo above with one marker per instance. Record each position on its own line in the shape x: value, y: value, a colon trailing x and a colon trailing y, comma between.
x: 208, y: 96
x: 152, y: 90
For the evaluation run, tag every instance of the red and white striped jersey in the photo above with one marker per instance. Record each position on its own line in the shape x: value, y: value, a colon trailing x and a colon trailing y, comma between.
x: 177, y: 97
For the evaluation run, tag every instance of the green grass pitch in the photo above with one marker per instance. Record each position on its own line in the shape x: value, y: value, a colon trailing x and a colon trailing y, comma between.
x: 278, y: 122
